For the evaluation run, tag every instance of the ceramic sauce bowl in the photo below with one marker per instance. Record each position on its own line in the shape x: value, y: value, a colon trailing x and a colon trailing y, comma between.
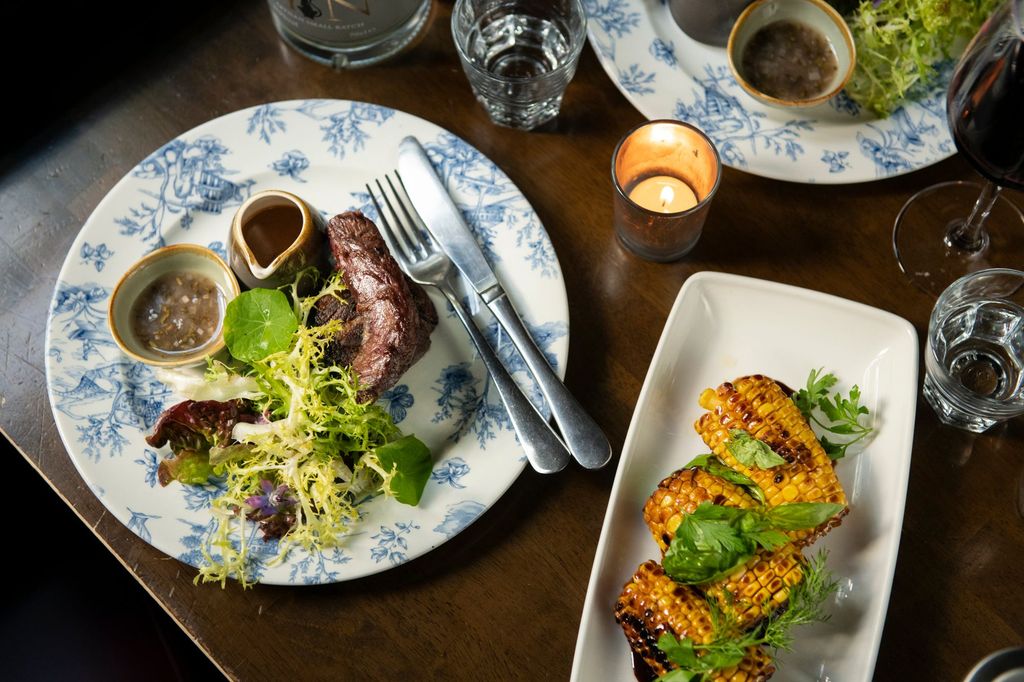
x: 167, y: 309
x: 810, y: 20
x: 274, y: 235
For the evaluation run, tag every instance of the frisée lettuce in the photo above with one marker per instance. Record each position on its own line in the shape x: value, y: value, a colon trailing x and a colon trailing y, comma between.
x: 314, y: 453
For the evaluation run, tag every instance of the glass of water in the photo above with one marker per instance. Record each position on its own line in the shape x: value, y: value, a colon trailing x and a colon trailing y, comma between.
x: 974, y: 361
x: 519, y: 55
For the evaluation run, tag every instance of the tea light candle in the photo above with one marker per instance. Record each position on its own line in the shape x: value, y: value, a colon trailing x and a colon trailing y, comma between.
x: 664, y: 194
x: 665, y: 174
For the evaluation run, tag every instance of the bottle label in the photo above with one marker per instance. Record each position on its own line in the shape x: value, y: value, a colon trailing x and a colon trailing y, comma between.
x: 344, y: 23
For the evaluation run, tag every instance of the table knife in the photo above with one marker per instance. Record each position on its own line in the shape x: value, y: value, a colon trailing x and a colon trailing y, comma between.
x: 584, y: 438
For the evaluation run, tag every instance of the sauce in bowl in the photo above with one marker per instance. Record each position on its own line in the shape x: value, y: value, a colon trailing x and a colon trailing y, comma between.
x: 789, y: 60
x: 178, y: 312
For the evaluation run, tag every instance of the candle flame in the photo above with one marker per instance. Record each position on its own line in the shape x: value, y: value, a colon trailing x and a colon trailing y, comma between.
x: 667, y: 195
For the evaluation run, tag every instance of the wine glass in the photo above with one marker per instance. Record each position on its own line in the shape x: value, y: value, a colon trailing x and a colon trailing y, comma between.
x: 938, y: 237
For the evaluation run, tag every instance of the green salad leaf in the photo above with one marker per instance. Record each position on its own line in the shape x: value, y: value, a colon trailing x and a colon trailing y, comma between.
x: 410, y: 464
x: 901, y: 44
x: 258, y: 323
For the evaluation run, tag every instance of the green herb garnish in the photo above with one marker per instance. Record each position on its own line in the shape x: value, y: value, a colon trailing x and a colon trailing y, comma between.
x: 843, y: 414
x: 712, y: 541
x: 751, y: 452
x: 900, y: 44
x: 716, y: 467
x: 410, y: 464
x: 258, y: 323
x: 728, y: 645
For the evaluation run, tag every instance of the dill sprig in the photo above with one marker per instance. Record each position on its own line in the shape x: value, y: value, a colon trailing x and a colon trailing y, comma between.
x: 729, y: 645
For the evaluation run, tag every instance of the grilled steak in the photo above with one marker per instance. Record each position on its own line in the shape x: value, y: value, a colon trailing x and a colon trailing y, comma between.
x: 388, y: 317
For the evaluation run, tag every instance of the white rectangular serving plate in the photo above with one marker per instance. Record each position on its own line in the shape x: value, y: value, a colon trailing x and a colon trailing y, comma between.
x: 725, y: 326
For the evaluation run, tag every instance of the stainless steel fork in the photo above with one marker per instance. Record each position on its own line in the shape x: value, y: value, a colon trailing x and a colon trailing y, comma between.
x: 426, y: 264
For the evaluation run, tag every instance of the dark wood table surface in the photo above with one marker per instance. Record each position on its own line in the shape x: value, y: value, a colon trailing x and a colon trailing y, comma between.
x: 503, y: 599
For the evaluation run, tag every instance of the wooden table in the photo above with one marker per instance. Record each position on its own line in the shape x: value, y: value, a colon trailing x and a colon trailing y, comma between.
x: 503, y: 599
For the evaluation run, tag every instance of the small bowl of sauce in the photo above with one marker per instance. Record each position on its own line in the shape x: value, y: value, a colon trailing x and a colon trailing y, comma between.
x: 791, y: 53
x: 167, y: 310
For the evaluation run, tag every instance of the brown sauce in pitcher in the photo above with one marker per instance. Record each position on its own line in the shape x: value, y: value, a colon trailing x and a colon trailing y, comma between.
x: 270, y: 232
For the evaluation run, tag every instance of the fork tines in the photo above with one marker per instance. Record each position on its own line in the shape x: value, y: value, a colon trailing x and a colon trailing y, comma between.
x: 401, y: 226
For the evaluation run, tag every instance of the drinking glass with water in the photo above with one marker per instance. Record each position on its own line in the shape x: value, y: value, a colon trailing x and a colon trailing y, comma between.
x: 519, y: 55
x: 974, y: 361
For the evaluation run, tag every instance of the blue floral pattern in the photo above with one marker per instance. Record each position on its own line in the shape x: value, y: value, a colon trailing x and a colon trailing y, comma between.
x: 398, y: 400
x: 291, y: 165
x: 666, y: 74
x: 451, y: 472
x: 104, y: 404
x: 96, y: 255
x: 391, y: 543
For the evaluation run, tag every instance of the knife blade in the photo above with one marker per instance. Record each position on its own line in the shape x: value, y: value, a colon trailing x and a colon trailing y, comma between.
x: 584, y: 438
x: 443, y: 219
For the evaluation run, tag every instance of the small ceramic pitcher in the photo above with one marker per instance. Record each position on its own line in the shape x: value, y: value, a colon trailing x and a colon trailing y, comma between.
x: 274, y: 235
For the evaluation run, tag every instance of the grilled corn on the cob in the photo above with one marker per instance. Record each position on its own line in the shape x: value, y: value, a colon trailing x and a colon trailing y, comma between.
x: 754, y: 589
x: 652, y: 603
x: 758, y: 405
x: 681, y: 493
x: 758, y: 587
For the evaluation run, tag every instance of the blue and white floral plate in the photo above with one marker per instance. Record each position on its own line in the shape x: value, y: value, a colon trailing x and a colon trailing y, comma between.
x: 187, y: 191
x: 667, y: 74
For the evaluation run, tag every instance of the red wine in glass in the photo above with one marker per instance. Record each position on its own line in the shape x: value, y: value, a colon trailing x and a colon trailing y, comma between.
x: 951, y: 229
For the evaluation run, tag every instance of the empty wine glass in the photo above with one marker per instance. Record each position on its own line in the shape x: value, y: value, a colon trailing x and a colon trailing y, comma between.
x: 938, y: 236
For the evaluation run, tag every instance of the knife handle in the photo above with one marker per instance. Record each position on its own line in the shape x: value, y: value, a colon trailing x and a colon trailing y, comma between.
x: 582, y: 435
x: 544, y: 450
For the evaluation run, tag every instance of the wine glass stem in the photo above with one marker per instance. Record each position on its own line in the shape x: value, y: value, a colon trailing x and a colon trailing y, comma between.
x: 969, y: 235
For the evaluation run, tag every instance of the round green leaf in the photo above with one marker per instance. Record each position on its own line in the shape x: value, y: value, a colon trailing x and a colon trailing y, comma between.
x: 258, y: 323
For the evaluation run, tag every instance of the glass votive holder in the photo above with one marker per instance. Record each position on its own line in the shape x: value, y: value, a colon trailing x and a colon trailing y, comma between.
x: 665, y: 174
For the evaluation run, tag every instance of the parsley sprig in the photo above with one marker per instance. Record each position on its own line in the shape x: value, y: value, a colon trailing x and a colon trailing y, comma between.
x: 728, y: 645
x: 712, y: 541
x: 842, y: 414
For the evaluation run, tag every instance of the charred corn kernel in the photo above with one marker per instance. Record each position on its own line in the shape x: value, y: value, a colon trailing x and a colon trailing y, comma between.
x: 760, y: 586
x: 681, y: 493
x: 759, y: 406
x: 652, y: 603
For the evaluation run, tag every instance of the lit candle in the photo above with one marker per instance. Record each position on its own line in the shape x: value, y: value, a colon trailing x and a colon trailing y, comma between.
x: 664, y: 194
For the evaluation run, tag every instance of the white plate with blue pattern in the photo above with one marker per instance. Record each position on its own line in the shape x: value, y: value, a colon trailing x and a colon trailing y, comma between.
x: 186, y: 191
x: 667, y: 74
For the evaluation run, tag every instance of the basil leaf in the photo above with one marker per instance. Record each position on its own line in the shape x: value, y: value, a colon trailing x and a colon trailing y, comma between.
x: 716, y: 467
x: 751, y: 452
x: 410, y: 459
x: 694, y: 567
x: 700, y: 461
x: 258, y: 323
x: 801, y: 515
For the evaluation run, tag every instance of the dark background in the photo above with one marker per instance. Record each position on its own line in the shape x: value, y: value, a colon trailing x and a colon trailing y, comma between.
x: 70, y: 610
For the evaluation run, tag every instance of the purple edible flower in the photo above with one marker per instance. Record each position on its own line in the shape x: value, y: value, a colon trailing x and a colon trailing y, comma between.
x: 274, y: 509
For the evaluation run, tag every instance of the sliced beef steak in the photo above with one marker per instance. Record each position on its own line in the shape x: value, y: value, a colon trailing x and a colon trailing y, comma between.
x: 388, y: 317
